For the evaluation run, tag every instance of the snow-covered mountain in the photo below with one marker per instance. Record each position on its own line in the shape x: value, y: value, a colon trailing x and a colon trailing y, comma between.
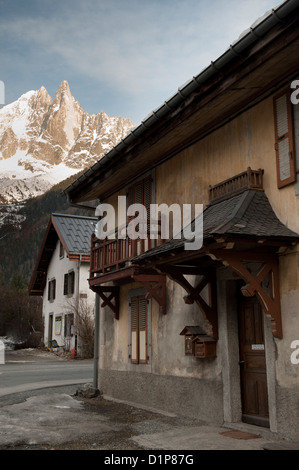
x: 44, y: 141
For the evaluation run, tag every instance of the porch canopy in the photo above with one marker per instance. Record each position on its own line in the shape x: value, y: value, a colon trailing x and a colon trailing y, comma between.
x: 240, y: 231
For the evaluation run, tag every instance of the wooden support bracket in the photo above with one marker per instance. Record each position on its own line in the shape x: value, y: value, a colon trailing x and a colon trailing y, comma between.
x: 155, y: 285
x: 110, y: 297
x: 209, y: 310
x: 270, y: 301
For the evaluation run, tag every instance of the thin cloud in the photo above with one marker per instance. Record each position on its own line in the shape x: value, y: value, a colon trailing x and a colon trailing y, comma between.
x: 129, y: 47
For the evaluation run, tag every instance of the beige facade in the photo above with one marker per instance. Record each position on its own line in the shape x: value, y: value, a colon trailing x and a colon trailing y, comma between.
x: 240, y: 291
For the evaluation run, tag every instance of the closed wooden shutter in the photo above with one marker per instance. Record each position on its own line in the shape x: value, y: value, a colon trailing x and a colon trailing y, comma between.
x: 71, y: 282
x: 134, y: 330
x: 65, y: 284
x: 142, y: 330
x: 141, y: 193
x: 138, y: 330
x: 284, y: 141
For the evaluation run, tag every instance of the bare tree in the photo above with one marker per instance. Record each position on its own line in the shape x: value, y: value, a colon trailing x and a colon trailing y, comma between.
x: 84, y: 325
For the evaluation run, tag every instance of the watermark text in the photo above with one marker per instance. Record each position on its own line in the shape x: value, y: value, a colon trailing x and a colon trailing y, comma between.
x: 152, y: 222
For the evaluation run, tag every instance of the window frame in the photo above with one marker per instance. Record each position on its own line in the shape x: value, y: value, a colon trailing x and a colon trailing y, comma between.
x: 142, y: 360
x: 281, y: 183
x: 51, y: 290
x: 69, y: 283
x: 146, y: 183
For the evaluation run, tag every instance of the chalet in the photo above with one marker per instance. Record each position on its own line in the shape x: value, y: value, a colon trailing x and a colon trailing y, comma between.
x: 61, y: 276
x: 210, y: 332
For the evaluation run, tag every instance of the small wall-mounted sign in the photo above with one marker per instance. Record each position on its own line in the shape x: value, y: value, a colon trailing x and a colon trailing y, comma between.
x: 258, y: 347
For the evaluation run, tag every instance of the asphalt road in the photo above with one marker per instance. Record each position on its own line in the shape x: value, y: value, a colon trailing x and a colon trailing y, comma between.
x: 41, y: 410
x: 30, y: 370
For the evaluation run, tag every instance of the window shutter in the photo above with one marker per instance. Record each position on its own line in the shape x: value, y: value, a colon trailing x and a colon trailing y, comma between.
x: 54, y: 288
x: 141, y: 193
x: 49, y: 290
x: 72, y: 282
x: 134, y: 330
x: 65, y: 285
x: 284, y: 142
x: 142, y: 330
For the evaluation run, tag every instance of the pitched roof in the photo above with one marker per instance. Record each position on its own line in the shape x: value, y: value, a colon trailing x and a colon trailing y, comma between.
x: 246, y: 215
x: 74, y: 232
x: 85, y: 187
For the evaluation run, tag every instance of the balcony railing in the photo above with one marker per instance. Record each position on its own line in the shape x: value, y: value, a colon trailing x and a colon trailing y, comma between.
x: 112, y: 254
x: 250, y: 179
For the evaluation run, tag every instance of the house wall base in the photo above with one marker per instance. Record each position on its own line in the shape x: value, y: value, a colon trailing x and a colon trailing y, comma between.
x: 288, y: 417
x: 180, y: 395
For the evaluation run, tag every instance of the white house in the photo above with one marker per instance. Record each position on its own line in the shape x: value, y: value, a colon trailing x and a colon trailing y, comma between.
x: 61, y: 277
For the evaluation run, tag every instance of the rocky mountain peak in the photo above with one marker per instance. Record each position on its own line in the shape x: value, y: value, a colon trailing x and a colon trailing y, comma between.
x: 43, y: 141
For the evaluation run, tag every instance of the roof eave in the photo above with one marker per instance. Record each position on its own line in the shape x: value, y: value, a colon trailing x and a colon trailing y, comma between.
x: 253, y: 35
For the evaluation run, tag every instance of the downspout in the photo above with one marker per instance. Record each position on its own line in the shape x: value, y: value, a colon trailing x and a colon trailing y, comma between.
x: 78, y: 300
x: 96, y: 341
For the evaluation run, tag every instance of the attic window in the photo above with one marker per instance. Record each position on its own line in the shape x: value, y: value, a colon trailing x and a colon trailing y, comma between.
x: 61, y: 250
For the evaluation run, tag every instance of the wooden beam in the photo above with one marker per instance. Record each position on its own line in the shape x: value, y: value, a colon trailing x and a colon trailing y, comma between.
x: 270, y: 302
x: 209, y: 310
x: 155, y: 285
x: 110, y: 297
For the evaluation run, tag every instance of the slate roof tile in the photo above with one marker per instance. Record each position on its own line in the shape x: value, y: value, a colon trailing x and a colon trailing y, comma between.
x: 248, y: 214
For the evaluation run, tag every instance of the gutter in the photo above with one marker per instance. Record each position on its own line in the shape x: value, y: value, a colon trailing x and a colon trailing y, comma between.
x: 254, y: 34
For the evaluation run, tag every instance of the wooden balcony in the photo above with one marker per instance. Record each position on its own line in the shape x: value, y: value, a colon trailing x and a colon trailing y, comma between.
x: 110, y: 262
x: 250, y: 179
x: 112, y: 254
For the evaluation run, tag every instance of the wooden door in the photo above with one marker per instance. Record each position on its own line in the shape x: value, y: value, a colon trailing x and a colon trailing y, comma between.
x: 253, y: 364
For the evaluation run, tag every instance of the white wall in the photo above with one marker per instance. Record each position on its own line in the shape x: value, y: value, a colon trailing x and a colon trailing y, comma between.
x: 62, y: 304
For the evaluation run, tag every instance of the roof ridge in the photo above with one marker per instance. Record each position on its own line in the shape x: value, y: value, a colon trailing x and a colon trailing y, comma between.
x: 74, y: 216
x: 240, y: 209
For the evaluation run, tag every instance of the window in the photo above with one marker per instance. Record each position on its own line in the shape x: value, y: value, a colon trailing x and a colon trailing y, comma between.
x: 284, y: 139
x: 58, y: 323
x: 68, y: 323
x: 141, y: 193
x: 139, y: 330
x: 69, y: 283
x: 61, y: 250
x: 51, y: 290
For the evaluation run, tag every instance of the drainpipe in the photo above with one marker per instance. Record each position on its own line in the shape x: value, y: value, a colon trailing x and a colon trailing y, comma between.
x: 78, y: 300
x: 96, y: 341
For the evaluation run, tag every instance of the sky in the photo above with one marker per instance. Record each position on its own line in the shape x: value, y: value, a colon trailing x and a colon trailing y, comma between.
x: 124, y: 57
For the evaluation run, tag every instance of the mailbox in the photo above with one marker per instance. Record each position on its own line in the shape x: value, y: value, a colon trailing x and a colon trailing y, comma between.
x: 204, y: 346
x: 189, y: 345
x: 198, y: 343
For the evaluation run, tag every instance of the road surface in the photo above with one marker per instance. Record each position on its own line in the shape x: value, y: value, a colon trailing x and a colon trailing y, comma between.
x: 26, y: 371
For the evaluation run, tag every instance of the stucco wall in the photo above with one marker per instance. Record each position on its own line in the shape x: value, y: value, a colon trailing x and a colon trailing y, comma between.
x: 246, y: 141
x: 63, y: 304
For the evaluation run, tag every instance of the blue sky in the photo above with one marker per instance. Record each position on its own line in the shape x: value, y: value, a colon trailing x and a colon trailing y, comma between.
x: 125, y: 57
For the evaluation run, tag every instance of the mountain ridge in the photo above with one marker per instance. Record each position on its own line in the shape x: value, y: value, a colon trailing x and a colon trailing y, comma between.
x: 44, y: 141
